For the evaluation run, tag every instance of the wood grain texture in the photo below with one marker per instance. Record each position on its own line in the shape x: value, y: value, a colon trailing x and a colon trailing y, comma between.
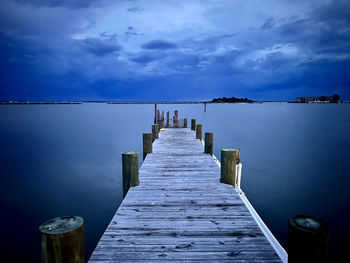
x: 181, y: 212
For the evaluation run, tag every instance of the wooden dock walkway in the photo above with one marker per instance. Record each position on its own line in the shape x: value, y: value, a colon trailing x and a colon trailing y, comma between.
x: 181, y: 212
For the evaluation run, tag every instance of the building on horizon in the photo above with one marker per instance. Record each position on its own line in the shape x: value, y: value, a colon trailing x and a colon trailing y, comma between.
x: 313, y: 99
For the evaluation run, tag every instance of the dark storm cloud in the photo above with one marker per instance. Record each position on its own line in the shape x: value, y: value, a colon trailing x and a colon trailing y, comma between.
x: 289, y: 45
x: 270, y: 22
x: 135, y: 9
x: 60, y: 3
x: 99, y: 47
x: 159, y: 44
x: 145, y: 58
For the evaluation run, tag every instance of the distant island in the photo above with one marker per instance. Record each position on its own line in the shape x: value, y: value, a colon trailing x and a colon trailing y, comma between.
x: 231, y: 100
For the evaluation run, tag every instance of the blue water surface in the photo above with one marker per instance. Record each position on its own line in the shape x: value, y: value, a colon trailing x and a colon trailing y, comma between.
x: 66, y: 159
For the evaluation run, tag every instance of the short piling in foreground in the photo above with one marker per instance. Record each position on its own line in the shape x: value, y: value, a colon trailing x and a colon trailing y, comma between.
x: 229, y: 159
x: 130, y: 167
x: 208, y: 142
x: 193, y: 124
x: 308, y: 240
x: 147, y: 144
x: 155, y: 132
x: 199, y: 128
x: 62, y: 240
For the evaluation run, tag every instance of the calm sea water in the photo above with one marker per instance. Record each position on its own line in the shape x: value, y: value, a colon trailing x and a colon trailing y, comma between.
x: 66, y: 159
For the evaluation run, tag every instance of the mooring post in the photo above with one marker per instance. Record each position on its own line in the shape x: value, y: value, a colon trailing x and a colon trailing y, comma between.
x: 155, y: 132
x: 62, y: 240
x: 208, y: 142
x: 193, y: 124
x: 308, y: 239
x: 199, y: 131
x: 155, y: 113
x: 229, y: 160
x: 167, y: 119
x: 185, y: 123
x: 158, y: 116
x: 176, y: 118
x: 130, y: 167
x: 147, y: 144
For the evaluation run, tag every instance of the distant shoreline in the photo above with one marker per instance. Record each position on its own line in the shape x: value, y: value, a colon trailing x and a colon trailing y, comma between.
x: 146, y: 102
x: 124, y: 102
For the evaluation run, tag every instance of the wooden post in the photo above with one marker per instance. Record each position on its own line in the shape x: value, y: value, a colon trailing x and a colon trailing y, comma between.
x: 155, y: 113
x: 158, y: 116
x: 308, y: 239
x: 205, y: 107
x: 155, y: 132
x: 62, y: 240
x: 229, y: 159
x: 208, y: 143
x: 167, y: 119
x: 147, y: 144
x: 185, y: 123
x: 193, y: 124
x: 199, y: 131
x: 176, y: 118
x: 130, y: 167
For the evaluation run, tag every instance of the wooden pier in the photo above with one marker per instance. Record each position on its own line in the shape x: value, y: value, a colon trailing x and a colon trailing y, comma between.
x: 180, y: 212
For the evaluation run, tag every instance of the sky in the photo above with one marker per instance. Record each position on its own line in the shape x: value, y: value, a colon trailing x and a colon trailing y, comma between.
x: 174, y: 49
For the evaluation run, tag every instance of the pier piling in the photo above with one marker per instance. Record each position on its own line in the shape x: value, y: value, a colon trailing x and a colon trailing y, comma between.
x: 229, y: 160
x: 308, y: 239
x: 130, y: 167
x: 62, y: 240
x: 199, y: 128
x: 167, y: 119
x: 147, y: 144
x: 193, y: 124
x: 155, y: 132
x: 208, y: 142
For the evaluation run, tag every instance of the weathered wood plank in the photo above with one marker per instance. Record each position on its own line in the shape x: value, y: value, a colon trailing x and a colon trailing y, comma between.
x: 181, y: 212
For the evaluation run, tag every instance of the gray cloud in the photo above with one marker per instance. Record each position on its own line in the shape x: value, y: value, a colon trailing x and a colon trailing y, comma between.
x: 58, y: 3
x: 159, y: 44
x: 135, y: 9
x: 99, y: 47
x: 206, y: 40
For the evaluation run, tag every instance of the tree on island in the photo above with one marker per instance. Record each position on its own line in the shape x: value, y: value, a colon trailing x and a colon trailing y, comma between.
x: 335, y: 98
x: 231, y: 100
